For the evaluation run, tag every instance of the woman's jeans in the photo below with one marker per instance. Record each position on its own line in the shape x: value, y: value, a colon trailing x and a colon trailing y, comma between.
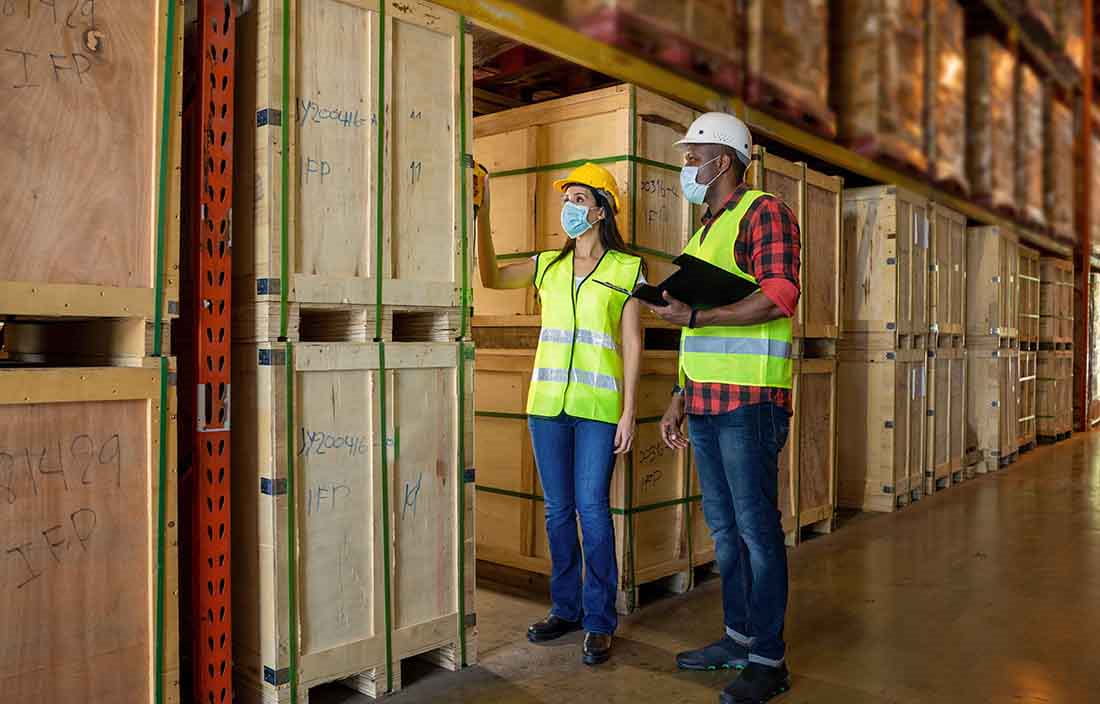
x: 575, y: 459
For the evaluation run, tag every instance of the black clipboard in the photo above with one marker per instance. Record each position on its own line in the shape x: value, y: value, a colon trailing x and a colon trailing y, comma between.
x: 697, y: 283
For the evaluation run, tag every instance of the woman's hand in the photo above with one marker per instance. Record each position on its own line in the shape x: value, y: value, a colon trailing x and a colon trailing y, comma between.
x: 672, y: 425
x: 624, y: 434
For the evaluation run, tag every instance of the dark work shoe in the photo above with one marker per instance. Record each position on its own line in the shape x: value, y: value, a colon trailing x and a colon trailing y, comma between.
x: 757, y: 684
x: 551, y: 628
x: 726, y: 654
x: 597, y: 648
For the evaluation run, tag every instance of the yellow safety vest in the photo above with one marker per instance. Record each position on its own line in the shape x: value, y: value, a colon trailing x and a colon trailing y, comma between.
x: 745, y: 355
x: 578, y: 365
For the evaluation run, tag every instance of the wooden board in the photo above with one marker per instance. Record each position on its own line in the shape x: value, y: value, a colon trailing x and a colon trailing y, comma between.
x: 526, y: 149
x: 991, y: 427
x: 335, y: 426
x: 337, y: 241
x: 82, y: 106
x: 816, y: 413
x: 947, y: 271
x: 1059, y: 133
x: 1026, y: 406
x: 1028, y: 312
x: 1029, y: 145
x: 1056, y: 302
x: 945, y: 81
x: 991, y: 291
x: 1054, y: 394
x: 82, y: 510
x: 991, y: 121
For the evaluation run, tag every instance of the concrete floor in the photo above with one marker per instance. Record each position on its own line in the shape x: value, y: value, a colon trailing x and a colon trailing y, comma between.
x: 988, y: 592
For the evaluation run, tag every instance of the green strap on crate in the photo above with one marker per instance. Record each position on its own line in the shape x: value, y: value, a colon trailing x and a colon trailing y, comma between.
x: 633, y: 166
x: 291, y: 526
x: 564, y: 165
x: 463, y: 331
x: 284, y: 170
x: 162, y: 176
x: 162, y: 478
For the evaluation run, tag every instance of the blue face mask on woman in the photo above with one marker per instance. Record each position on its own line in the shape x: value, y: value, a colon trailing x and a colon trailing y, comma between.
x: 574, y: 219
x: 694, y: 191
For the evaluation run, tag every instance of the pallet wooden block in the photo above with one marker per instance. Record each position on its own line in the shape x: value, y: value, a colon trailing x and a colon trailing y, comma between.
x: 945, y: 86
x: 90, y: 583
x: 815, y: 200
x: 885, y: 254
x: 882, y: 452
x: 339, y: 466
x: 1029, y: 146
x: 365, y: 202
x: 946, y: 417
x: 1055, y: 303
x: 947, y: 271
x: 992, y: 263
x: 90, y: 159
x: 991, y: 121
x: 991, y: 415
x: 629, y: 131
x: 1058, y: 138
x: 1027, y: 314
x: 1026, y: 406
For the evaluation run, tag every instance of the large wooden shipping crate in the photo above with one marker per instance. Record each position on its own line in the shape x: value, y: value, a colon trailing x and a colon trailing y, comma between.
x: 1026, y: 402
x: 991, y: 122
x: 947, y: 272
x: 885, y: 262
x: 1058, y: 138
x: 992, y: 416
x: 815, y: 200
x: 991, y: 288
x: 882, y: 453
x: 1055, y: 303
x: 1029, y: 146
x: 353, y: 516
x: 338, y: 161
x: 89, y: 155
x: 946, y: 417
x: 630, y: 131
x: 787, y: 61
x: 945, y: 80
x: 877, y: 86
x: 1054, y: 394
x: 89, y: 611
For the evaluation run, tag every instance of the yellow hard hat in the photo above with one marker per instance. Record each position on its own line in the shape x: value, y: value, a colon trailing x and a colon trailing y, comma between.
x: 593, y: 176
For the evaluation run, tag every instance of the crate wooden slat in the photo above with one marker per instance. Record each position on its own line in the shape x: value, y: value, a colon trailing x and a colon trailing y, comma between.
x: 945, y: 79
x: 1029, y: 146
x: 991, y: 121
x: 946, y: 417
x: 947, y: 271
x: 992, y: 415
x: 991, y: 287
x: 344, y: 413
x: 1026, y: 406
x: 333, y: 239
x: 885, y: 245
x: 1058, y: 138
x: 1055, y: 303
x: 1028, y: 308
x: 528, y: 148
x: 81, y: 518
x: 82, y: 240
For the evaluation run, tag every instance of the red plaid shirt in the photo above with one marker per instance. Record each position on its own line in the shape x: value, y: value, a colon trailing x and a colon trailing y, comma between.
x: 768, y: 246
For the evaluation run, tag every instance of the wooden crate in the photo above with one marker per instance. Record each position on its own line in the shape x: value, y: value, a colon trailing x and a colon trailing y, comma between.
x: 816, y: 201
x: 787, y: 62
x: 1027, y: 314
x: 946, y: 417
x: 885, y: 263
x: 377, y: 132
x: 90, y: 159
x: 882, y: 452
x: 90, y: 585
x: 947, y: 271
x: 1058, y: 137
x: 342, y: 461
x: 1055, y: 303
x: 630, y: 131
x: 1054, y: 395
x: 991, y: 122
x: 991, y: 290
x: 991, y: 415
x: 1026, y: 406
x: 1029, y: 146
x: 945, y: 86
x: 877, y: 87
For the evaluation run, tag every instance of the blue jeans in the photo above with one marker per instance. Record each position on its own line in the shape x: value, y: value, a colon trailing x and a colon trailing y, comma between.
x: 575, y: 459
x: 737, y: 457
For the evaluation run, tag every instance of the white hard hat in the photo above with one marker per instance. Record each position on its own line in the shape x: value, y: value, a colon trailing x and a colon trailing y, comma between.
x: 721, y: 128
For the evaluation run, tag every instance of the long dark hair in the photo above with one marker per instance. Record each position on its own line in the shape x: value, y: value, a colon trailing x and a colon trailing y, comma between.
x: 610, y: 237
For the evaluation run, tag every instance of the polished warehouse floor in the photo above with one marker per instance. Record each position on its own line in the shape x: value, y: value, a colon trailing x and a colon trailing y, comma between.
x: 985, y: 593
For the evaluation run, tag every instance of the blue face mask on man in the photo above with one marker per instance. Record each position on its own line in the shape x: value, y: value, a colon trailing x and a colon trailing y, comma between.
x: 574, y: 219
x: 695, y: 192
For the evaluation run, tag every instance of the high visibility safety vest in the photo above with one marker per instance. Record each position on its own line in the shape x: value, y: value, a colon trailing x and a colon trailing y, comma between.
x: 578, y: 365
x: 745, y: 355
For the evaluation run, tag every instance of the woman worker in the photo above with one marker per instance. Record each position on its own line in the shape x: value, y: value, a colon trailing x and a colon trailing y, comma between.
x: 581, y: 401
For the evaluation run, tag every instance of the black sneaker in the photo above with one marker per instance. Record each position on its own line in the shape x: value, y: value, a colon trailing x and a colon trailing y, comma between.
x: 551, y: 628
x: 757, y: 684
x: 726, y: 654
x: 597, y: 648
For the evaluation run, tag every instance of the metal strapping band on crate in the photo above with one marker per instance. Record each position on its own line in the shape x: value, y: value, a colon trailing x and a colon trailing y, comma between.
x: 291, y: 525
x: 162, y: 187
x: 162, y: 477
x: 284, y: 199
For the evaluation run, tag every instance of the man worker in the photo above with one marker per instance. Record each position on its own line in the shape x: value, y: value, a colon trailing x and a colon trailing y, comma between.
x: 735, y: 389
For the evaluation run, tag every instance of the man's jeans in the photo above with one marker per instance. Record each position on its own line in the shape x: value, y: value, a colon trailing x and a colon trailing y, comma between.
x: 737, y: 456
x: 575, y: 458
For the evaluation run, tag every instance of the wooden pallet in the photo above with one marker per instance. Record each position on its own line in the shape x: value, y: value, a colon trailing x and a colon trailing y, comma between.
x: 945, y: 93
x: 773, y: 96
x: 991, y: 126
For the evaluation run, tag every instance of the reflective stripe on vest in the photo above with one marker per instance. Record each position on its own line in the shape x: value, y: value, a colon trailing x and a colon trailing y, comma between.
x: 578, y: 367
x: 745, y: 355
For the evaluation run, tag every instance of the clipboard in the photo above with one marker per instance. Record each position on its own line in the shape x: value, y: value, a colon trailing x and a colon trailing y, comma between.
x: 698, y: 283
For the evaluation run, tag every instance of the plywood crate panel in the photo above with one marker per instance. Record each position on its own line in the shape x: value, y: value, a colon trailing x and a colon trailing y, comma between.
x: 1026, y: 404
x: 1029, y: 145
x: 1055, y: 302
x: 991, y: 426
x: 89, y: 153
x: 946, y: 416
x: 945, y: 77
x: 815, y: 408
x: 947, y: 271
x: 1054, y: 394
x: 815, y: 200
x: 991, y: 121
x: 1028, y: 308
x: 882, y: 452
x: 991, y: 286
x: 1057, y: 155
x: 526, y: 149
x: 355, y: 191
x: 88, y: 516
x: 885, y: 263
x: 321, y: 435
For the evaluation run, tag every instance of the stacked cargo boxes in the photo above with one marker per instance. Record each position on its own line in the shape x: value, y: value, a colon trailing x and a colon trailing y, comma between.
x: 1055, y: 368
x: 89, y: 263
x: 352, y: 373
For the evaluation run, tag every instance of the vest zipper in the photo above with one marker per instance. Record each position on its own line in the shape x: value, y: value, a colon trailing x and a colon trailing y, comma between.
x: 575, y: 292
